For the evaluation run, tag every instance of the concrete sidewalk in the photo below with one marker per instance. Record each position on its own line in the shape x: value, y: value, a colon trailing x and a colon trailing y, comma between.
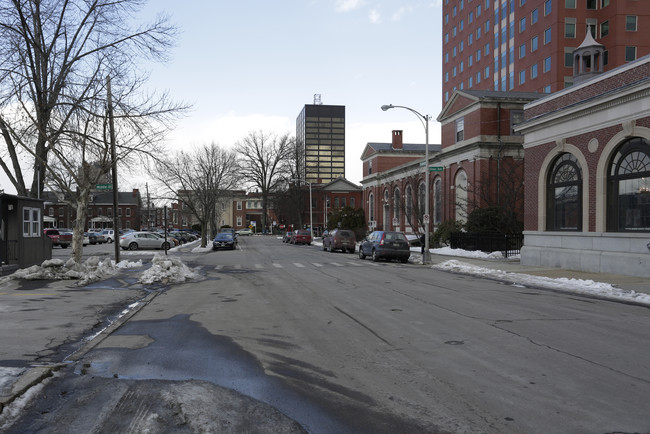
x: 633, y: 283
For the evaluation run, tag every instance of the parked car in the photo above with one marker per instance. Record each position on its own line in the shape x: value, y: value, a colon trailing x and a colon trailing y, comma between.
x: 245, y: 231
x: 385, y: 245
x: 301, y: 236
x: 340, y: 239
x: 286, y: 238
x: 173, y: 241
x: 230, y: 231
x: 224, y: 240
x: 109, y: 235
x: 143, y: 240
x: 86, y: 239
x: 61, y: 239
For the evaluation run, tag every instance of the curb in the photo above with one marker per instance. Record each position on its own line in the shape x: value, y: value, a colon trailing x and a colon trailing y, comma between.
x: 35, y: 375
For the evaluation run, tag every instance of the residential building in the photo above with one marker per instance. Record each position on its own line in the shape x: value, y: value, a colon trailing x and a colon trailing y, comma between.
x: 527, y: 45
x: 99, y: 215
x: 320, y: 135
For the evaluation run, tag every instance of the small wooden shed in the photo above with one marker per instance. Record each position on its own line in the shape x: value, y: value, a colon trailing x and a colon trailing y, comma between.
x: 22, y: 242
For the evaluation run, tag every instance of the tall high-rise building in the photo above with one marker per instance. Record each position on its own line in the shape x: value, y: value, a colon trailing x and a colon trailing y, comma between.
x: 527, y: 45
x: 320, y: 133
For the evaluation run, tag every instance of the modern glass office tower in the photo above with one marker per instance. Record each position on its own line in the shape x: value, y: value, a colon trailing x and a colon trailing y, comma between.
x: 320, y: 132
x: 527, y: 45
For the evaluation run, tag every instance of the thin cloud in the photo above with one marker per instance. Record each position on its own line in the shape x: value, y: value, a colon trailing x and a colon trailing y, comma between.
x: 374, y: 16
x: 348, y: 5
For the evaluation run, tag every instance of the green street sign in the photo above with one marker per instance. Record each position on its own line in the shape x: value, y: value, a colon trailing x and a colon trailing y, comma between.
x: 435, y: 168
x: 104, y: 186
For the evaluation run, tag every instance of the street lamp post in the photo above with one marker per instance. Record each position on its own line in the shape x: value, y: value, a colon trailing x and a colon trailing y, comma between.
x: 311, y: 227
x: 426, y: 258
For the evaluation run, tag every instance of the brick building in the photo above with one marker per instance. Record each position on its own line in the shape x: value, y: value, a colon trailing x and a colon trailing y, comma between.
x: 587, y: 174
x: 527, y: 45
x: 100, y: 210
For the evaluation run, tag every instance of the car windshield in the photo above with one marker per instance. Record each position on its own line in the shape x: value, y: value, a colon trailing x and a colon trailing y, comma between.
x: 223, y: 236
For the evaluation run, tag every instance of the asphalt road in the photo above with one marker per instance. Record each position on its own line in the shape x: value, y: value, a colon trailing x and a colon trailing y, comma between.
x: 344, y: 345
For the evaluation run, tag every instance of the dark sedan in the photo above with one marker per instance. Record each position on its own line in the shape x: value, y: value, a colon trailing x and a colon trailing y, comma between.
x: 385, y: 245
x: 224, y: 240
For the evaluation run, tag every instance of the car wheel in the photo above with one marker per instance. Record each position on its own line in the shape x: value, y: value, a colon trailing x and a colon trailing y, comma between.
x: 324, y: 248
x: 331, y: 249
x: 165, y: 246
x: 133, y: 246
x: 351, y: 250
x: 375, y: 258
x: 110, y: 240
x: 404, y: 260
x: 361, y: 255
x: 64, y: 246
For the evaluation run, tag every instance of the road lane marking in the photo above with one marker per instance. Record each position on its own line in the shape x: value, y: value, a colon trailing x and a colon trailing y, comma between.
x: 276, y: 265
x: 336, y: 264
x: 298, y: 264
x: 316, y: 264
x: 218, y: 267
x: 259, y: 266
x: 354, y: 264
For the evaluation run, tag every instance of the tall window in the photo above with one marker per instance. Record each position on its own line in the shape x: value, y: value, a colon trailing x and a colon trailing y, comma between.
x: 564, y: 195
x: 371, y: 207
x: 461, y: 196
x: 460, y: 129
x: 31, y: 222
x: 408, y: 203
x: 397, y: 201
x: 630, y: 23
x: 604, y: 29
x: 591, y: 4
x: 628, y: 187
x: 422, y: 200
x: 630, y: 54
x: 437, y: 201
x: 570, y: 28
x: 547, y: 7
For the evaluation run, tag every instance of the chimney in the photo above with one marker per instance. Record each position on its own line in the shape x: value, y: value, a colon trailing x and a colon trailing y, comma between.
x: 135, y: 192
x: 397, y: 139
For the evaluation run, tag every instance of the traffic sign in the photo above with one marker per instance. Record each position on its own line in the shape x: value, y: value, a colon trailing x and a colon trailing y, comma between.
x: 104, y: 186
x: 425, y: 218
x: 436, y: 168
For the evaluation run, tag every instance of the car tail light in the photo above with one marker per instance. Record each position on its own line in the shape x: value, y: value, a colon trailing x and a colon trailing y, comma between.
x: 381, y: 243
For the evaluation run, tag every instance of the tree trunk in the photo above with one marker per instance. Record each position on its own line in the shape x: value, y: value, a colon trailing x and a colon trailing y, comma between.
x: 79, y: 224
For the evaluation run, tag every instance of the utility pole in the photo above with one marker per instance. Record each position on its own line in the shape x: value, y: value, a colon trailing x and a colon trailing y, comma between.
x: 111, y: 125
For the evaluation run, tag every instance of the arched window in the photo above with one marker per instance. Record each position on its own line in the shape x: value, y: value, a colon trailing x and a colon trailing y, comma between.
x: 437, y: 201
x: 386, y: 214
x: 408, y: 203
x: 628, y: 187
x: 461, y: 196
x: 397, y: 199
x: 371, y: 207
x: 422, y: 191
x: 564, y: 195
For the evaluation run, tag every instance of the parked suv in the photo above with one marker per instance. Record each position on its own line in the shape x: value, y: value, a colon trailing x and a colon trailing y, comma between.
x: 301, y: 236
x: 340, y: 239
x: 385, y: 245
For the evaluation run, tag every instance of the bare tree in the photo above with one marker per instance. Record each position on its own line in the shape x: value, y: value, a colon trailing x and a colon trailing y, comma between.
x: 53, y: 55
x: 266, y: 161
x: 81, y: 157
x: 202, y: 181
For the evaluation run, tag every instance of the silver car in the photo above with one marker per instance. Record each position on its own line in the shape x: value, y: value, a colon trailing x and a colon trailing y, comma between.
x: 143, y: 240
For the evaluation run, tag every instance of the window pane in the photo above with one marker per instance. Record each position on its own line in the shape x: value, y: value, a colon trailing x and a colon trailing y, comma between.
x: 630, y: 23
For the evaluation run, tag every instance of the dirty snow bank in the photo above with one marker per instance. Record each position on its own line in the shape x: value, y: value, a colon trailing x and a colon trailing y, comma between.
x: 166, y: 269
x: 86, y: 272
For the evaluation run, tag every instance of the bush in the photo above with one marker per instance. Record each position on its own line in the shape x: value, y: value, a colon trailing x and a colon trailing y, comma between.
x: 493, y: 219
x: 443, y: 233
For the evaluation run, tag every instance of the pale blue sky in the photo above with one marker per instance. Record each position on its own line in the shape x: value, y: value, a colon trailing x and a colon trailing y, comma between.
x: 248, y: 65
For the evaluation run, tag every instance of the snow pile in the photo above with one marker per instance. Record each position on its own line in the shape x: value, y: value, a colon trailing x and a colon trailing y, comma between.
x: 448, y: 251
x: 86, y: 272
x: 581, y: 286
x: 166, y: 269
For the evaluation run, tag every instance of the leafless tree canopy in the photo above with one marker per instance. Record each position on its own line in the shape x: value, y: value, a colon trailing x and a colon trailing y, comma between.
x: 54, y: 58
x: 202, y: 181
x: 266, y: 161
